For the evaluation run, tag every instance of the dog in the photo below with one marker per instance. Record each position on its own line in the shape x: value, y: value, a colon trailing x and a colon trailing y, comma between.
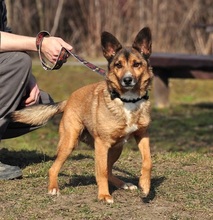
x: 105, y: 115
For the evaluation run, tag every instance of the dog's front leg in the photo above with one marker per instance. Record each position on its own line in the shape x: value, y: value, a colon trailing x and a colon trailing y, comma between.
x: 68, y: 140
x: 101, y: 170
x: 145, y: 178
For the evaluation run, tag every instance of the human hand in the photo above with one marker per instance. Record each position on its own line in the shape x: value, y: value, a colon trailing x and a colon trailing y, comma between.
x: 51, y: 47
x: 32, y: 93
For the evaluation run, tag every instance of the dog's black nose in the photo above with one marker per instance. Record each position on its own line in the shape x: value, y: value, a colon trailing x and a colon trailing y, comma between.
x: 127, y: 80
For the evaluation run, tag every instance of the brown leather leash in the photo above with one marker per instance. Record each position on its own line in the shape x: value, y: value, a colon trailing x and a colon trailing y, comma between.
x: 62, y: 57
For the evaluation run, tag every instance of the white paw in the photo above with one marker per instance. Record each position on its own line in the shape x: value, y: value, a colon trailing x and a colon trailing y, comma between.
x: 54, y: 192
x: 129, y: 186
x: 109, y: 201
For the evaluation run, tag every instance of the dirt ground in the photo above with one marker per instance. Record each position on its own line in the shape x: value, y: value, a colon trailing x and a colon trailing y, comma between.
x: 175, y: 193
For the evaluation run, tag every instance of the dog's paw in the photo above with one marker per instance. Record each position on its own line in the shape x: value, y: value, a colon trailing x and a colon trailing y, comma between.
x: 145, y: 187
x: 106, y: 198
x: 129, y: 186
x: 145, y: 191
x: 54, y: 192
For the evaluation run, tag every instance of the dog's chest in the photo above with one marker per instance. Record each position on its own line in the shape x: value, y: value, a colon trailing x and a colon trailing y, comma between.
x: 131, y: 117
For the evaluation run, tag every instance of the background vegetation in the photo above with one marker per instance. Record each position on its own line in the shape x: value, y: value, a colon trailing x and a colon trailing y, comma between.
x: 80, y: 22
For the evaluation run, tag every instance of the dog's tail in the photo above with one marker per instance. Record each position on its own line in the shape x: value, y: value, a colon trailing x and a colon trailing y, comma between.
x: 37, y: 114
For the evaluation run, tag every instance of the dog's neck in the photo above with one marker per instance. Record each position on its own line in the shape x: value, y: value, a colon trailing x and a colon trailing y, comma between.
x: 124, y: 99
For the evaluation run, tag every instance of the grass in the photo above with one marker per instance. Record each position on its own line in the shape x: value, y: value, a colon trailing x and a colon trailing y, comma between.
x: 181, y: 143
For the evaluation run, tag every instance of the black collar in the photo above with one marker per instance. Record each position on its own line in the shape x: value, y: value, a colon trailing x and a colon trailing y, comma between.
x: 114, y: 95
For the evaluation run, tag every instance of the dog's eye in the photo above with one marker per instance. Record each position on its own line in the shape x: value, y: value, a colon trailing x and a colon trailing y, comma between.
x: 137, y: 64
x: 118, y: 65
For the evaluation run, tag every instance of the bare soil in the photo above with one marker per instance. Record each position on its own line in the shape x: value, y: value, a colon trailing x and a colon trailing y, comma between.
x: 181, y: 189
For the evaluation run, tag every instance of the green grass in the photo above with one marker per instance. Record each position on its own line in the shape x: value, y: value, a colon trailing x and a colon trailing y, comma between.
x: 181, y: 145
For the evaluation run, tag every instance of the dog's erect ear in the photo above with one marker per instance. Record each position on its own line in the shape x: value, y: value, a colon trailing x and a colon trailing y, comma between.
x: 110, y: 45
x: 143, y: 42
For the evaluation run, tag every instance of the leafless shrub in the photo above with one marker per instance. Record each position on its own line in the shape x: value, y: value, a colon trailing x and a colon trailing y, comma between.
x: 81, y: 22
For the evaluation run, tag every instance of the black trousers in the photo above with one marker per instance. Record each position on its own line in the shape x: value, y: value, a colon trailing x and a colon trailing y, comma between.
x: 15, y: 72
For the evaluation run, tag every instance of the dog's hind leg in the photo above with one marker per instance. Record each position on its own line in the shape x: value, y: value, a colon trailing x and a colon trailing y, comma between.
x: 68, y: 140
x: 113, y: 155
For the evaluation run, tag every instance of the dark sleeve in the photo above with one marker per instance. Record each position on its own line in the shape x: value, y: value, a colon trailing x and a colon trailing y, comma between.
x: 3, y: 16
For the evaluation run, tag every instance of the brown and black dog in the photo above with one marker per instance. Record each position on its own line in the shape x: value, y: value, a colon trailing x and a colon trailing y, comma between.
x: 105, y: 114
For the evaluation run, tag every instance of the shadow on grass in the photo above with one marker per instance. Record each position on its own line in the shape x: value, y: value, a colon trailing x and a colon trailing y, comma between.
x: 203, y: 105
x: 155, y: 183
x: 85, y: 180
x: 81, y: 180
x: 81, y: 156
x: 22, y: 158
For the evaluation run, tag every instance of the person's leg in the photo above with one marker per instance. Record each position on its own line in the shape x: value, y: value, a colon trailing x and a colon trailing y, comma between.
x: 15, y: 71
x: 15, y: 129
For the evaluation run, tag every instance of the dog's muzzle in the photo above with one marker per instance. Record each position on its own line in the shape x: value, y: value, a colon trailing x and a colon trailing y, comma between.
x: 128, y: 81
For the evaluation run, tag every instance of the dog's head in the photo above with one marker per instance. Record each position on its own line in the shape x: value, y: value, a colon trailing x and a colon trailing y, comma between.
x: 129, y: 73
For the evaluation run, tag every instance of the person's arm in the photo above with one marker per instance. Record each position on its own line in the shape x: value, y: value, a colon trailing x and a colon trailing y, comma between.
x: 51, y: 46
x: 13, y: 42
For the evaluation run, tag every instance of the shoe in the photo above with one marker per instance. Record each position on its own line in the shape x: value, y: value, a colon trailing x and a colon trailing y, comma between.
x: 8, y: 172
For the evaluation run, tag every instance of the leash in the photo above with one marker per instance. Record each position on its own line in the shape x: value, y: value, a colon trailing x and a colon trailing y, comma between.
x: 62, y: 57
